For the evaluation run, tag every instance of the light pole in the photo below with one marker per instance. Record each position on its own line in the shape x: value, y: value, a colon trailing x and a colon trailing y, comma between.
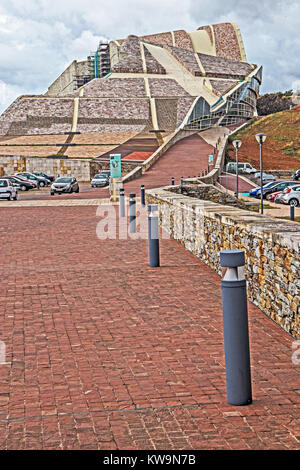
x: 260, y: 139
x: 237, y: 144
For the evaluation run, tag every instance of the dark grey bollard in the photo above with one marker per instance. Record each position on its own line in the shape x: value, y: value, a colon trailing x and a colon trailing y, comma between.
x: 143, y: 195
x: 235, y: 328
x: 181, y: 180
x: 153, y: 236
x: 292, y: 212
x: 172, y: 181
x: 122, y: 203
x: 202, y: 173
x: 205, y: 171
x: 132, y: 213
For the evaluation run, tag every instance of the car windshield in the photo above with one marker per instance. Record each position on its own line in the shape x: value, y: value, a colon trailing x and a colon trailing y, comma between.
x: 3, y: 183
x: 63, y: 180
x: 100, y: 176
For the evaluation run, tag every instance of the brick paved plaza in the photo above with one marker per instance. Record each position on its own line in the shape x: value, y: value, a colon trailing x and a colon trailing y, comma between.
x: 104, y: 352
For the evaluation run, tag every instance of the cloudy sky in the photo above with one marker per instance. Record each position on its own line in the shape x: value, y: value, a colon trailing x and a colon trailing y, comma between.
x: 39, y: 38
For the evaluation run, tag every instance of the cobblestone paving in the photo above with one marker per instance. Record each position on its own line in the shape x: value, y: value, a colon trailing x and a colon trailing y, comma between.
x: 103, y: 352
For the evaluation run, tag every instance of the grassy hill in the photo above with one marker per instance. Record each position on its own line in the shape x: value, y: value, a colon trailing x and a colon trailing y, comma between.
x: 281, y: 150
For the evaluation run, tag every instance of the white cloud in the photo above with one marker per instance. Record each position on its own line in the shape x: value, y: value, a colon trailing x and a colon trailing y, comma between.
x: 40, y: 38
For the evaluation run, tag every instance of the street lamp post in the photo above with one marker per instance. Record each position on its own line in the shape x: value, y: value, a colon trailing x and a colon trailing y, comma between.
x: 260, y: 139
x: 237, y: 144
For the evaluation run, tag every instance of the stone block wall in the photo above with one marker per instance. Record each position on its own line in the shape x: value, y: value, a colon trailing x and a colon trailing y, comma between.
x: 223, y: 68
x: 51, y: 166
x: 220, y: 87
x: 183, y: 40
x: 166, y: 87
x: 114, y: 109
x: 115, y: 88
x: 187, y: 59
x: 226, y: 41
x: 272, y: 249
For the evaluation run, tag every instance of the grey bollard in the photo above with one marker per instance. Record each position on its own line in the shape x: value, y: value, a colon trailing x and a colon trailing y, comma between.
x: 122, y: 203
x: 202, y: 173
x: 205, y: 171
x: 292, y: 212
x: 153, y: 236
x: 235, y: 328
x: 181, y: 180
x: 143, y: 195
x: 132, y: 213
x: 172, y: 181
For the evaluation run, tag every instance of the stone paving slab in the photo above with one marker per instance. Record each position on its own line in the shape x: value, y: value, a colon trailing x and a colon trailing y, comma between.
x: 104, y: 352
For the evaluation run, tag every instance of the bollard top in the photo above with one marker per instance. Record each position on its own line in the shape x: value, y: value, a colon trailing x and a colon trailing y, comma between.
x: 152, y: 207
x: 131, y: 195
x: 142, y: 185
x: 121, y: 190
x: 232, y: 258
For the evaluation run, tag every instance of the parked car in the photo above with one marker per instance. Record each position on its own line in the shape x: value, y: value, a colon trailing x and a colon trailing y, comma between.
x: 23, y: 179
x: 43, y: 175
x: 293, y: 197
x: 242, y: 168
x: 41, y: 181
x: 266, y: 178
x: 99, y: 180
x: 64, y: 185
x: 271, y: 197
x: 278, y: 186
x: 7, y: 190
x: 20, y: 184
x: 105, y: 172
x: 254, y: 191
x: 296, y: 176
x: 279, y: 195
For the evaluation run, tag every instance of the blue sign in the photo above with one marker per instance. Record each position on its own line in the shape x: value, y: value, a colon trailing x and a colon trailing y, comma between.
x: 210, y: 158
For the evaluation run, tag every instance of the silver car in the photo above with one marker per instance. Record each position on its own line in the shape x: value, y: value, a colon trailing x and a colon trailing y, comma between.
x: 292, y: 197
x: 99, y: 180
x: 267, y: 178
x: 7, y: 190
x: 64, y: 185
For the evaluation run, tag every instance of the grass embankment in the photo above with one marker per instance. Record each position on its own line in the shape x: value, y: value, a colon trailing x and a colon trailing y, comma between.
x: 281, y: 150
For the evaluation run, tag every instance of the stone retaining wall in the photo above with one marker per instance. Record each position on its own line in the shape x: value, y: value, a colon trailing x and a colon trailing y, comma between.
x: 10, y: 164
x: 272, y: 248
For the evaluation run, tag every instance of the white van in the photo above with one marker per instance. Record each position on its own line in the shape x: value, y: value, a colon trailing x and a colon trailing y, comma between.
x: 242, y: 168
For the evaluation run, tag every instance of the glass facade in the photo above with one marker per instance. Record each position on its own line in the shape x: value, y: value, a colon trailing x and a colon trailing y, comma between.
x: 238, y: 105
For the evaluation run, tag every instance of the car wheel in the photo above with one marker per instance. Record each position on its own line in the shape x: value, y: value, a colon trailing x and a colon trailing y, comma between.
x: 294, y: 202
x: 16, y: 197
x: 23, y: 187
x: 52, y: 193
x: 77, y: 190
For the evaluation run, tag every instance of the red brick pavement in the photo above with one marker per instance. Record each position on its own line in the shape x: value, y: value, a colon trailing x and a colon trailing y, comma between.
x: 229, y: 182
x: 108, y: 353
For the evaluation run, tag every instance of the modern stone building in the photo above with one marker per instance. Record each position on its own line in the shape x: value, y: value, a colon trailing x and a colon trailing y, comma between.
x: 131, y: 96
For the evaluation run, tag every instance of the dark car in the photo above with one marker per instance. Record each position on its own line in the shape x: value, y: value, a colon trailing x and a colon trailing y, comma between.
x: 64, y: 185
x: 280, y: 186
x: 20, y: 184
x: 43, y: 175
x: 296, y: 176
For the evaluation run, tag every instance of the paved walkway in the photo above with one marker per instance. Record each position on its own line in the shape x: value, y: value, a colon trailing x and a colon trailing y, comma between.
x: 104, y: 352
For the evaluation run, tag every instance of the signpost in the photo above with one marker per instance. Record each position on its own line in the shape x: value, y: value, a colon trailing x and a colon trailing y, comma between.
x: 210, y: 161
x: 115, y: 175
